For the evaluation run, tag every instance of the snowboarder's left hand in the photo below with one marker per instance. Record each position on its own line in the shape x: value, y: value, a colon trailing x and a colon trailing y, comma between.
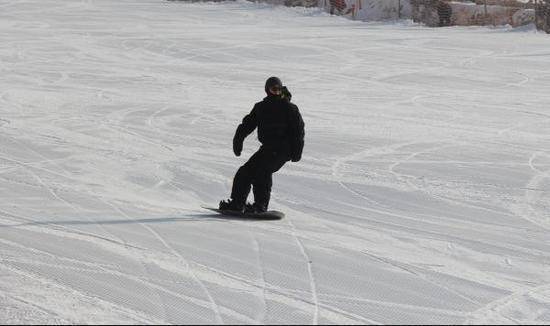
x: 237, y: 147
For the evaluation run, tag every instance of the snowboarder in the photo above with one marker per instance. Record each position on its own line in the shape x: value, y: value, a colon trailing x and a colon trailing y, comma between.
x: 281, y: 133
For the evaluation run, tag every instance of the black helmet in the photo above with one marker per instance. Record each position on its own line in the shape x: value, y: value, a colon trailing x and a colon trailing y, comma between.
x: 272, y: 81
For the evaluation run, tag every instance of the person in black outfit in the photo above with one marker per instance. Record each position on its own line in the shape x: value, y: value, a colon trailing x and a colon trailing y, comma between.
x: 281, y: 133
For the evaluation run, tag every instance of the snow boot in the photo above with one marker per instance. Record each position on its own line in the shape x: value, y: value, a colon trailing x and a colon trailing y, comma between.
x: 255, y: 208
x: 231, y: 205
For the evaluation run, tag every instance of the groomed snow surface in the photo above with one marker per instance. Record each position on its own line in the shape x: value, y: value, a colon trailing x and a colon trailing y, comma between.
x: 423, y: 195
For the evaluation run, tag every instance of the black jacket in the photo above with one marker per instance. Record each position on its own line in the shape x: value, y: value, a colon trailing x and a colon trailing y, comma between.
x: 280, y: 127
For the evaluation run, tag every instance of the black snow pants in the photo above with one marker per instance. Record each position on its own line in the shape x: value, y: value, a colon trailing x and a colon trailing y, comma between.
x: 257, y: 172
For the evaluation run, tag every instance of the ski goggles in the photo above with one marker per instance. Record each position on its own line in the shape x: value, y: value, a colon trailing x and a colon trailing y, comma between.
x: 276, y: 88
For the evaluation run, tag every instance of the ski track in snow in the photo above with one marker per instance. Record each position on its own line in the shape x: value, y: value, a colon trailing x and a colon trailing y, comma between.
x: 308, y: 262
x: 422, y: 195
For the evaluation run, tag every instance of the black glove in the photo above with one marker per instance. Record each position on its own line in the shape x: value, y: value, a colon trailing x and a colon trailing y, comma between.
x: 286, y: 94
x: 237, y: 147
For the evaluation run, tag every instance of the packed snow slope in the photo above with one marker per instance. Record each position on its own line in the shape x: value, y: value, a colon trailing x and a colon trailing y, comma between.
x: 423, y: 195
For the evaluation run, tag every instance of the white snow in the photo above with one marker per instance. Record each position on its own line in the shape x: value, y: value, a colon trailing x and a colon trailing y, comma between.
x: 423, y: 195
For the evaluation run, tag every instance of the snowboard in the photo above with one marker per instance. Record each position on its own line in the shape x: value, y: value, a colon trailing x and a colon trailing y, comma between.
x: 269, y: 215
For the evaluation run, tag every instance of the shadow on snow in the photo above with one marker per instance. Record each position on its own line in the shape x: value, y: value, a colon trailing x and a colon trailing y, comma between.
x: 185, y: 218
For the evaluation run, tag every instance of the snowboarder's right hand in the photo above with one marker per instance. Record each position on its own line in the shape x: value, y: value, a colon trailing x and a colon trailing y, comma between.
x: 237, y: 147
